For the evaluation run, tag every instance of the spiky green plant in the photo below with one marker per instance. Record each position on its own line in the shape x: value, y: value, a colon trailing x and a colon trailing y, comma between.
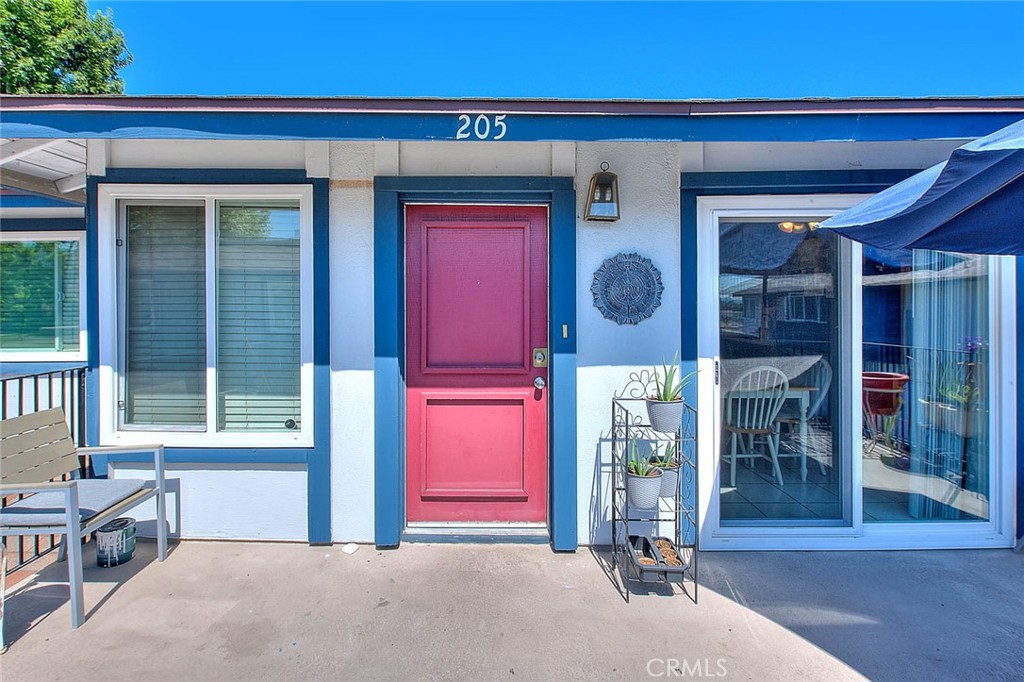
x: 666, y: 388
x: 639, y: 465
x: 665, y: 458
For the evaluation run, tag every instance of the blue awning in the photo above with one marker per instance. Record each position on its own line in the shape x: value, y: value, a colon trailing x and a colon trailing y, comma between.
x: 971, y: 203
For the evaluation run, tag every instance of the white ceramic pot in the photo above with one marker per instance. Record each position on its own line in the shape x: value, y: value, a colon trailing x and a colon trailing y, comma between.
x: 669, y: 481
x: 666, y: 417
x: 642, y: 491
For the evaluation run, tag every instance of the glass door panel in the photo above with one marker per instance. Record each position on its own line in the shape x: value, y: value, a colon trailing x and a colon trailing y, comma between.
x: 779, y: 341
x: 926, y: 394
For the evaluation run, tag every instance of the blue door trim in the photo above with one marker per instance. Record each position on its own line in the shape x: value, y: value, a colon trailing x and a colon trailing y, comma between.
x: 389, y: 330
x: 317, y: 458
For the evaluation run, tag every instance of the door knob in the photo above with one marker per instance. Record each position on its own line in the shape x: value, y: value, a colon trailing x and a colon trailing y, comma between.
x: 539, y: 383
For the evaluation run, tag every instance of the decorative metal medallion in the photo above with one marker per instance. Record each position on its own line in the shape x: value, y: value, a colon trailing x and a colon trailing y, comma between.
x: 627, y: 288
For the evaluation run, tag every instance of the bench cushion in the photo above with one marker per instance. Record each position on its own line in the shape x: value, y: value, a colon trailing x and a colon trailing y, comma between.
x: 47, y: 509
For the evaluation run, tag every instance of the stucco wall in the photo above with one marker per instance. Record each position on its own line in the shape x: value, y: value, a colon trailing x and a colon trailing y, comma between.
x: 240, y: 502
x: 352, y: 423
x: 606, y: 352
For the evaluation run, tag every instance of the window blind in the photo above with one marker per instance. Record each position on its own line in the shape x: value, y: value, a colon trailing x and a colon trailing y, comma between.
x: 258, y: 317
x: 165, y: 373
x: 39, y: 297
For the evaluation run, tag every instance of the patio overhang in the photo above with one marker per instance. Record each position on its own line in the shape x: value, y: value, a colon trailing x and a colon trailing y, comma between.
x: 52, y: 168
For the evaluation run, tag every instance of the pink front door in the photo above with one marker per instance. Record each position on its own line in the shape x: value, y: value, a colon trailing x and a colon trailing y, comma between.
x: 477, y: 309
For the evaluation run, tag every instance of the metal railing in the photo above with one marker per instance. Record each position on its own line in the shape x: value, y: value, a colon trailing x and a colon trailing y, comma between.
x: 933, y: 372
x: 24, y: 394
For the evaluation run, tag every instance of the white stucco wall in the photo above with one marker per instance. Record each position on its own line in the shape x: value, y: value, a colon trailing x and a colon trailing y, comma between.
x: 205, y: 154
x: 216, y: 501
x: 352, y: 423
x: 606, y: 352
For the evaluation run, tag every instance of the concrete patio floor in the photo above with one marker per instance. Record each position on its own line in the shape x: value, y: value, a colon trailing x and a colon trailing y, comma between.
x: 247, y: 611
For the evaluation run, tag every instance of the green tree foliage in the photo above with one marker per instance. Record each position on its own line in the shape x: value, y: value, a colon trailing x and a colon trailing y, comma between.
x: 55, y: 47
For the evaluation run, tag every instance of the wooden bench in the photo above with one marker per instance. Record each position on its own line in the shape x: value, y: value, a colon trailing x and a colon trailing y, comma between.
x: 37, y: 448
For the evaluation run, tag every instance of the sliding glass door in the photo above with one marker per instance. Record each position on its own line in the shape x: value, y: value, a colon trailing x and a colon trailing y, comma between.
x: 849, y: 397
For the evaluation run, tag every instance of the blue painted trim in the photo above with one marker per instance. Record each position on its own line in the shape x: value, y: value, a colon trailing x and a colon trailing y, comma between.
x: 92, y: 322
x: 207, y: 176
x: 332, y: 125
x: 42, y: 224
x: 30, y: 200
x: 15, y: 369
x: 792, y: 182
x: 1020, y: 397
x: 564, y: 490
x: 389, y: 329
x: 688, y: 291
x: 388, y: 377
x: 318, y: 473
x: 317, y: 458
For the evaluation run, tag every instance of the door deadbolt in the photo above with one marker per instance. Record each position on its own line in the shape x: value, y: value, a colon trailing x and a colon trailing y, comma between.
x: 540, y: 357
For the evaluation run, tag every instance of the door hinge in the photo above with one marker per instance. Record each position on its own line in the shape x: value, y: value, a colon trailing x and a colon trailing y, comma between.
x: 716, y: 372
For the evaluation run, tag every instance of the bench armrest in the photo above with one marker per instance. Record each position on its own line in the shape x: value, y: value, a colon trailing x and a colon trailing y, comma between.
x: 158, y: 457
x: 24, y: 488
x: 118, y: 449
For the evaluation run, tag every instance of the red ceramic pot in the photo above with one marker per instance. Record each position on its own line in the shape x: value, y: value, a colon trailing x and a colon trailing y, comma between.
x: 883, y: 392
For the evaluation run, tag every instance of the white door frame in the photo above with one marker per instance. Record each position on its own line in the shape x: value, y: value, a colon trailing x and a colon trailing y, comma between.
x: 998, y: 531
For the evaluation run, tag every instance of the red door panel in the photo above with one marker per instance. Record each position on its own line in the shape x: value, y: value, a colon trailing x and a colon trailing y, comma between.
x: 477, y: 307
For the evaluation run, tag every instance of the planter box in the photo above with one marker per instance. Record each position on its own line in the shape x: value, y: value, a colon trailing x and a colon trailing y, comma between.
x: 643, y: 546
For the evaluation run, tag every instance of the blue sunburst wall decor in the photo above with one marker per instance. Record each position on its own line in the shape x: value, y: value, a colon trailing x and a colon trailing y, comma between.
x: 627, y: 288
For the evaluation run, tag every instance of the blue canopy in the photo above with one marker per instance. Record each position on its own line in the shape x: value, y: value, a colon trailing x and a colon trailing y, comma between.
x: 971, y: 203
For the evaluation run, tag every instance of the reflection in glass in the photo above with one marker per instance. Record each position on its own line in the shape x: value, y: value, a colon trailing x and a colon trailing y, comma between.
x: 39, y: 296
x: 926, y: 440
x: 778, y: 320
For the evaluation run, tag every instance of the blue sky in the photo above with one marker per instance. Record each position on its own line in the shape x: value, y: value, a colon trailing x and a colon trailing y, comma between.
x: 661, y: 50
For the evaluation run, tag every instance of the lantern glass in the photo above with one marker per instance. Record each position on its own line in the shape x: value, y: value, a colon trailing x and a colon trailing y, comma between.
x: 603, y: 197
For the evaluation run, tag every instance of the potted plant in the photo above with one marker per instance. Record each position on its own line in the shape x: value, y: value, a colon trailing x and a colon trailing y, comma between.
x: 955, y: 406
x: 665, y: 405
x: 643, y: 480
x: 669, y: 465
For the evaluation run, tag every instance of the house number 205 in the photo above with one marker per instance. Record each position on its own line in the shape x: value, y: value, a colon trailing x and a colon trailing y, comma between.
x: 481, y: 127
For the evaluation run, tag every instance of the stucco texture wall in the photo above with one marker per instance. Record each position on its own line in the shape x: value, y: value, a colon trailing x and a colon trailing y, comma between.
x: 607, y: 352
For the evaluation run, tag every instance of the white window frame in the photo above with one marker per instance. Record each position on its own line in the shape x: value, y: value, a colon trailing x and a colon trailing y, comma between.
x: 109, y: 198
x: 81, y: 354
x: 998, y: 531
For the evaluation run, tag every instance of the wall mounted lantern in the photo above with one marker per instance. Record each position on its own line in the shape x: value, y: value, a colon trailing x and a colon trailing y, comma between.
x: 603, y: 198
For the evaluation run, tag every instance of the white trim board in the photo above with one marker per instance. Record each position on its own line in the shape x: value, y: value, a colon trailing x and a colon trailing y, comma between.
x: 111, y: 324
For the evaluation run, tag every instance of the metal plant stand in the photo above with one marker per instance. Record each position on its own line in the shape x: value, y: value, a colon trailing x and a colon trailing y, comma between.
x: 636, y: 532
